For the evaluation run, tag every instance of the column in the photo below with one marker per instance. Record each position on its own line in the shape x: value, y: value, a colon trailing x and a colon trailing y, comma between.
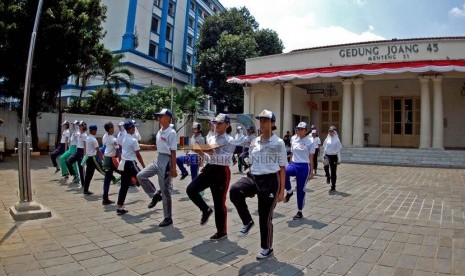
x: 425, y: 124
x: 438, y: 115
x: 287, y: 112
x: 346, y: 113
x: 128, y: 37
x: 246, y: 99
x: 252, y: 103
x: 358, y: 113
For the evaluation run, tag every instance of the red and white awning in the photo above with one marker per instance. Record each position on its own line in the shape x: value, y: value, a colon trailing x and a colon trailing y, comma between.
x: 354, y: 70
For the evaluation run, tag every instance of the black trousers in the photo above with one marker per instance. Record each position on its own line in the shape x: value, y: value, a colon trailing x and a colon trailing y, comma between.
x: 92, y: 164
x: 130, y: 171
x: 315, y: 158
x: 216, y: 178
x: 242, y: 157
x: 266, y: 187
x: 57, y: 152
x: 76, y: 157
x: 333, y: 168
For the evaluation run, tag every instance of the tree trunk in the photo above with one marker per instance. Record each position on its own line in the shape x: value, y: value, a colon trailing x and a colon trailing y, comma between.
x: 33, y: 130
x: 83, y: 86
x: 58, y: 137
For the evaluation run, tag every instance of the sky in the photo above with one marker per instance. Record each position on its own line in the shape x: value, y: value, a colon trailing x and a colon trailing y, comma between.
x: 312, y: 23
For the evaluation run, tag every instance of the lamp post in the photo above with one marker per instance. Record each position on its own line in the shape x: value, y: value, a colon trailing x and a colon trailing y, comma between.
x: 27, y: 209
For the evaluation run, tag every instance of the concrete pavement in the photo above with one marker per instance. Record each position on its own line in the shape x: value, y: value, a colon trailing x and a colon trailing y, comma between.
x: 384, y: 220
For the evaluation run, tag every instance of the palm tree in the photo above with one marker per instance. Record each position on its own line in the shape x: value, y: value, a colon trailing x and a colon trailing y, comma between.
x: 112, y: 72
x: 190, y: 101
x: 84, y: 74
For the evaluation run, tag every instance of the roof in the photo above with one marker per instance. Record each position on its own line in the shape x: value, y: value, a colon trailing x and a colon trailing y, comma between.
x: 354, y: 70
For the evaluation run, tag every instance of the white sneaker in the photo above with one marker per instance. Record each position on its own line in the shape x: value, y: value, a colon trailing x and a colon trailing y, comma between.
x: 264, y: 253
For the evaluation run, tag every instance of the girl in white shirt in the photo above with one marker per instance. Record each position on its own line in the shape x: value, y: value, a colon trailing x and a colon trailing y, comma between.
x: 332, y: 151
x: 63, y: 145
x: 72, y: 149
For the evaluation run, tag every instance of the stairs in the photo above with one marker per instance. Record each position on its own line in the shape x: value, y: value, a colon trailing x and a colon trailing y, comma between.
x: 405, y: 157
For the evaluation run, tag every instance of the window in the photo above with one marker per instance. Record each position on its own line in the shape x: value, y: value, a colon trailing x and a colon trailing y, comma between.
x: 157, y: 2
x: 155, y: 25
x: 153, y: 50
x: 192, y: 6
x: 171, y: 9
x: 168, y: 56
x: 168, y: 33
x: 191, y: 22
x: 189, y: 59
x: 190, y: 41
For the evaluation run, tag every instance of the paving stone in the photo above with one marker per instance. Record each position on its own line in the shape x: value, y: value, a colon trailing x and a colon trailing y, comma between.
x: 323, y: 262
x: 361, y: 269
x: 424, y: 264
x: 407, y: 261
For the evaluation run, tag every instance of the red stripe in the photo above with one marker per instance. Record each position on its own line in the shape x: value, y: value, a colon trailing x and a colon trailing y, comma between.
x: 226, y: 188
x: 270, y: 216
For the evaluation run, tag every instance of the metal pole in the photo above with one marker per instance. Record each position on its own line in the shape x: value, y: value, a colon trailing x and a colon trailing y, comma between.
x: 25, y: 145
x: 172, y: 83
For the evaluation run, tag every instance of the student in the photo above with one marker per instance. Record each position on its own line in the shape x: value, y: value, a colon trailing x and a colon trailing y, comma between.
x: 191, y: 158
x: 78, y: 155
x: 71, y: 150
x: 216, y: 176
x: 245, y: 153
x: 268, y: 158
x: 121, y: 133
x: 211, y: 131
x: 239, y: 140
x: 63, y: 145
x: 128, y: 165
x: 92, y: 150
x: 332, y: 151
x: 316, y: 142
x: 111, y: 152
x: 302, y: 150
x: 164, y: 167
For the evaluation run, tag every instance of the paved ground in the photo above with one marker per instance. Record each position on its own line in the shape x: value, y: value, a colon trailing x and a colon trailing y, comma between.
x: 383, y: 221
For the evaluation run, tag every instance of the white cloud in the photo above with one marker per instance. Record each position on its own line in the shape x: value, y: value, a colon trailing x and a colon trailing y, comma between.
x: 457, y: 12
x: 360, y: 2
x: 297, y: 26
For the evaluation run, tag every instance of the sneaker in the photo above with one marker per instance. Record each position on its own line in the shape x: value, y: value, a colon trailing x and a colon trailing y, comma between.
x: 107, y: 202
x: 205, y: 216
x: 88, y: 193
x: 121, y: 211
x: 298, y: 216
x: 166, y: 222
x: 288, y: 196
x: 57, y: 169
x: 264, y: 253
x: 155, y: 199
x: 76, y: 179
x: 116, y: 180
x: 184, y: 175
x: 245, y: 229
x: 218, y: 236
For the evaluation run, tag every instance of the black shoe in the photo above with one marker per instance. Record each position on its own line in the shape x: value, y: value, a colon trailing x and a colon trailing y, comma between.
x: 65, y: 176
x: 332, y: 190
x: 57, y: 169
x: 155, y: 199
x: 218, y: 236
x: 264, y: 253
x: 121, y: 211
x: 166, y: 222
x: 205, y: 216
x: 288, y: 196
x: 107, y: 202
x: 184, y: 175
x: 246, y: 229
x: 88, y: 193
x: 328, y: 180
x: 298, y: 216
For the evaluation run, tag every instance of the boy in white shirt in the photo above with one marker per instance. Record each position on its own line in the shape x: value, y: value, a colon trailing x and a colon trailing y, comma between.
x: 92, y: 150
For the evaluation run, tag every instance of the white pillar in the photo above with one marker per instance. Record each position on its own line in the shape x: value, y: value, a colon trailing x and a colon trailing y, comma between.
x: 438, y: 115
x: 252, y: 103
x: 425, y: 124
x: 246, y: 99
x: 287, y: 112
x: 358, y: 113
x: 346, y: 113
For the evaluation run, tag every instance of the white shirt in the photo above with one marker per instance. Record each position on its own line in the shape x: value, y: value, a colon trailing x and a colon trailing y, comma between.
x: 137, y: 134
x: 196, y: 140
x: 301, y: 149
x: 248, y: 140
x: 81, y: 140
x: 91, y: 145
x: 73, y: 138
x: 111, y: 145
x: 315, y: 140
x: 332, y: 146
x: 64, y: 135
x: 120, y: 136
x: 130, y: 146
x: 166, y: 140
x: 210, y: 134
x: 267, y: 156
x: 222, y: 155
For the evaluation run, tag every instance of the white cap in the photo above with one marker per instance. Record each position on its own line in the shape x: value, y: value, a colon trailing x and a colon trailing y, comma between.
x: 238, y: 127
x: 313, y: 131
x: 121, y: 123
x: 302, y: 125
x: 266, y: 114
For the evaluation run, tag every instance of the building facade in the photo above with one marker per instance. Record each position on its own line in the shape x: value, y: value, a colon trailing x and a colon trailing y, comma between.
x: 396, y: 93
x: 158, y: 40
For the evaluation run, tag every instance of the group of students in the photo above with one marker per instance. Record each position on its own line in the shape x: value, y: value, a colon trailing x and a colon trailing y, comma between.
x: 268, y: 176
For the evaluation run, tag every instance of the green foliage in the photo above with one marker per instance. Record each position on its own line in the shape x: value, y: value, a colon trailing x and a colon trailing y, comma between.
x: 225, y: 41
x: 147, y: 102
x: 112, y: 72
x: 101, y: 102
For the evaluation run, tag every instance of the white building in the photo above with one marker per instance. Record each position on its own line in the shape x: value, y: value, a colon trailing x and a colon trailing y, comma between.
x: 394, y: 93
x: 157, y: 38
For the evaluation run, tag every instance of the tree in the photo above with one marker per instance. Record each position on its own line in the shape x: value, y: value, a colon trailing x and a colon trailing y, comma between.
x: 112, y: 72
x: 225, y: 41
x: 65, y: 28
x: 147, y: 102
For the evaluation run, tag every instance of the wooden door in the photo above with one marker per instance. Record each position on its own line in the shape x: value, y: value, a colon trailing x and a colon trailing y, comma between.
x: 330, y: 115
x: 405, y: 122
x: 385, y: 117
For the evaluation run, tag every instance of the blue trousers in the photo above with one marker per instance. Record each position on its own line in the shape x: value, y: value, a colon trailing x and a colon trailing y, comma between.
x: 58, y: 151
x: 192, y: 160
x: 300, y: 171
